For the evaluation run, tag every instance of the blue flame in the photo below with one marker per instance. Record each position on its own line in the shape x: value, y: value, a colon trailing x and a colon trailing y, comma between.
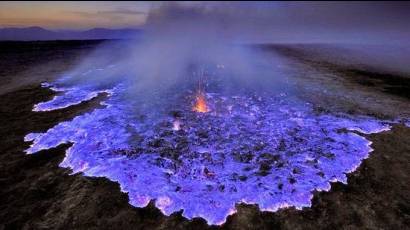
x: 269, y: 150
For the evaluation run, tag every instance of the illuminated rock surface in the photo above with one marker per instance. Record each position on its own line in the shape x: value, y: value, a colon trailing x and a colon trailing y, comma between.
x: 269, y: 150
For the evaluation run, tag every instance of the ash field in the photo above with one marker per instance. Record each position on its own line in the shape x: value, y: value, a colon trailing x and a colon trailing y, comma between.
x: 326, y: 146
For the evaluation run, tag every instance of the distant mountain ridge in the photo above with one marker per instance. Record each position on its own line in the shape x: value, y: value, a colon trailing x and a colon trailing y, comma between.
x: 39, y: 33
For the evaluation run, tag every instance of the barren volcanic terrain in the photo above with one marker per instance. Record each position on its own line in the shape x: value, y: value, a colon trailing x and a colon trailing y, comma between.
x: 341, y: 106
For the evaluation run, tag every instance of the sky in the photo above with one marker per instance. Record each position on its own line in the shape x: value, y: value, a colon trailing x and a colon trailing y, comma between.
x: 312, y: 21
x: 73, y: 15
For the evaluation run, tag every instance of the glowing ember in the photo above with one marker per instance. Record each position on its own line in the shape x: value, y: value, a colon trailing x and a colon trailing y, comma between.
x: 200, y: 105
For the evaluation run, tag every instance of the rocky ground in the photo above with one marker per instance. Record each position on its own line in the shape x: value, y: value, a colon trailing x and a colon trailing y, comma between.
x: 37, y: 194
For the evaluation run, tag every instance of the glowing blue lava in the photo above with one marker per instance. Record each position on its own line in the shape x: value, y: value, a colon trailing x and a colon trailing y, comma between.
x: 270, y: 150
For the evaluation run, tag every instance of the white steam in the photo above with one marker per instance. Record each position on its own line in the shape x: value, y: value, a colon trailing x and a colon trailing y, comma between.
x: 178, y: 42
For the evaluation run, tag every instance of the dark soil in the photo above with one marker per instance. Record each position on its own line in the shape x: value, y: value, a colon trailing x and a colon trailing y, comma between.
x: 23, y: 63
x: 386, y: 81
x: 35, y: 193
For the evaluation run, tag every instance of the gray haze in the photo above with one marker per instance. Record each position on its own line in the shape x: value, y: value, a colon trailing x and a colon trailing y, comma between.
x: 178, y: 37
x: 179, y: 42
x: 280, y: 22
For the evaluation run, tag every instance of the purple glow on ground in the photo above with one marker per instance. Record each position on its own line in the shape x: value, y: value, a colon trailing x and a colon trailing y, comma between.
x: 69, y: 97
x: 270, y: 150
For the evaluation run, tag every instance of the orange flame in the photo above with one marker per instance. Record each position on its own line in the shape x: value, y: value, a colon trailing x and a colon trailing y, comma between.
x: 200, y: 105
